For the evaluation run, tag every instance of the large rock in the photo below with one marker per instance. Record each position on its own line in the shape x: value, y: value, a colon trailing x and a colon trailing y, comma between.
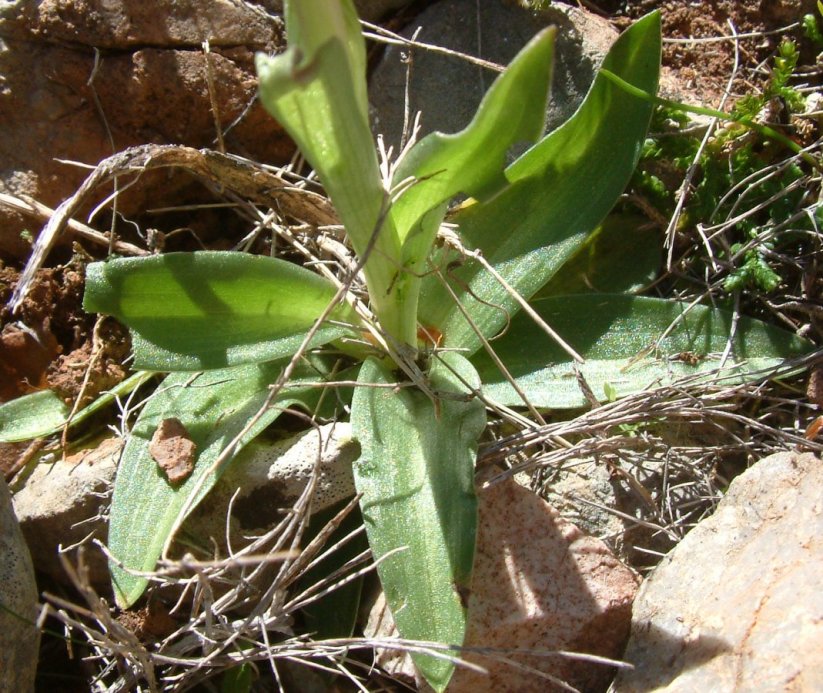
x: 150, y: 80
x: 19, y: 637
x: 737, y: 605
x: 539, y: 584
x: 447, y: 90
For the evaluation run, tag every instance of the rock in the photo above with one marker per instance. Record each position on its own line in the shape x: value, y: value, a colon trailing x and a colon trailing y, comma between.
x: 372, y: 10
x: 19, y: 637
x: 269, y: 477
x: 539, y: 584
x: 65, y: 503
x: 737, y: 606
x: 151, y: 84
x: 448, y: 90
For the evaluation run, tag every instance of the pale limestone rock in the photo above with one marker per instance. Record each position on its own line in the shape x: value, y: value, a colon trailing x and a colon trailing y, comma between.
x: 737, y: 605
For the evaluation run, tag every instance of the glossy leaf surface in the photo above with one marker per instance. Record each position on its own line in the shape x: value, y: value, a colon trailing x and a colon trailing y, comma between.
x: 622, y: 339
x: 416, y: 474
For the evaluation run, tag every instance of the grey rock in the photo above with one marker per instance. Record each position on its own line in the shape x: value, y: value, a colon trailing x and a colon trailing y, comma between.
x: 64, y: 503
x: 737, y: 605
x: 447, y: 90
x: 266, y: 478
x: 19, y: 637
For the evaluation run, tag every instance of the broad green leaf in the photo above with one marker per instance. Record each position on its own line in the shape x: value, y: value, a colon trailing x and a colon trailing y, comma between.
x: 471, y: 161
x: 622, y: 339
x: 416, y: 474
x: 316, y: 90
x: 32, y: 416
x: 621, y: 256
x: 191, y: 311
x: 557, y: 194
x: 44, y: 413
x: 214, y: 407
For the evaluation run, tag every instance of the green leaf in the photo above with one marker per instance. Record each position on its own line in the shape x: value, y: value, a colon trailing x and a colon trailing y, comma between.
x: 316, y: 90
x: 557, y: 194
x: 191, y: 311
x: 416, y: 474
x: 471, y: 161
x: 622, y: 339
x: 620, y: 256
x: 44, y: 413
x: 214, y: 407
x: 32, y: 416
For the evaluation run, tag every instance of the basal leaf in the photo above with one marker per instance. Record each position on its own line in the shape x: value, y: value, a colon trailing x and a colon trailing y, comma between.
x: 213, y: 407
x: 44, y: 413
x: 416, y: 474
x: 32, y: 416
x: 190, y: 311
x: 558, y: 192
x: 622, y: 339
x: 621, y: 256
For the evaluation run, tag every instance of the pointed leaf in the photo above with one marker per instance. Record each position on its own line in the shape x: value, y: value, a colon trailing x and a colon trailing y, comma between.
x: 190, y: 311
x: 317, y: 92
x: 416, y: 474
x: 620, y: 338
x: 558, y: 192
x: 472, y: 161
x: 213, y: 407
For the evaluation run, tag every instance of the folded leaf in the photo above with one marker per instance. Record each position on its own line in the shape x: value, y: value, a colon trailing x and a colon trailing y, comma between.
x: 416, y: 474
x: 557, y: 194
x: 471, y: 161
x: 191, y: 311
x: 622, y: 339
x: 213, y: 407
x: 316, y: 90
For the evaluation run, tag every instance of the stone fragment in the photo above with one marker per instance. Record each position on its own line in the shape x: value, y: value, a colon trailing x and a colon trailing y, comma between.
x: 63, y: 503
x: 448, y: 90
x: 539, y: 584
x: 737, y: 605
x: 173, y: 449
x: 19, y: 637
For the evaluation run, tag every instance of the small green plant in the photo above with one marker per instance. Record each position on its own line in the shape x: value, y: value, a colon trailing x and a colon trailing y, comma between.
x: 239, y: 334
x: 736, y: 154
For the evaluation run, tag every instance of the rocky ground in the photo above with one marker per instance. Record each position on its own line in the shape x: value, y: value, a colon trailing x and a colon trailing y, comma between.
x: 734, y: 606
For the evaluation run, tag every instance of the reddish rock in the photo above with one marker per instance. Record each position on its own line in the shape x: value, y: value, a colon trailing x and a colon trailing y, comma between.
x: 150, y: 81
x: 737, y: 605
x: 539, y: 584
